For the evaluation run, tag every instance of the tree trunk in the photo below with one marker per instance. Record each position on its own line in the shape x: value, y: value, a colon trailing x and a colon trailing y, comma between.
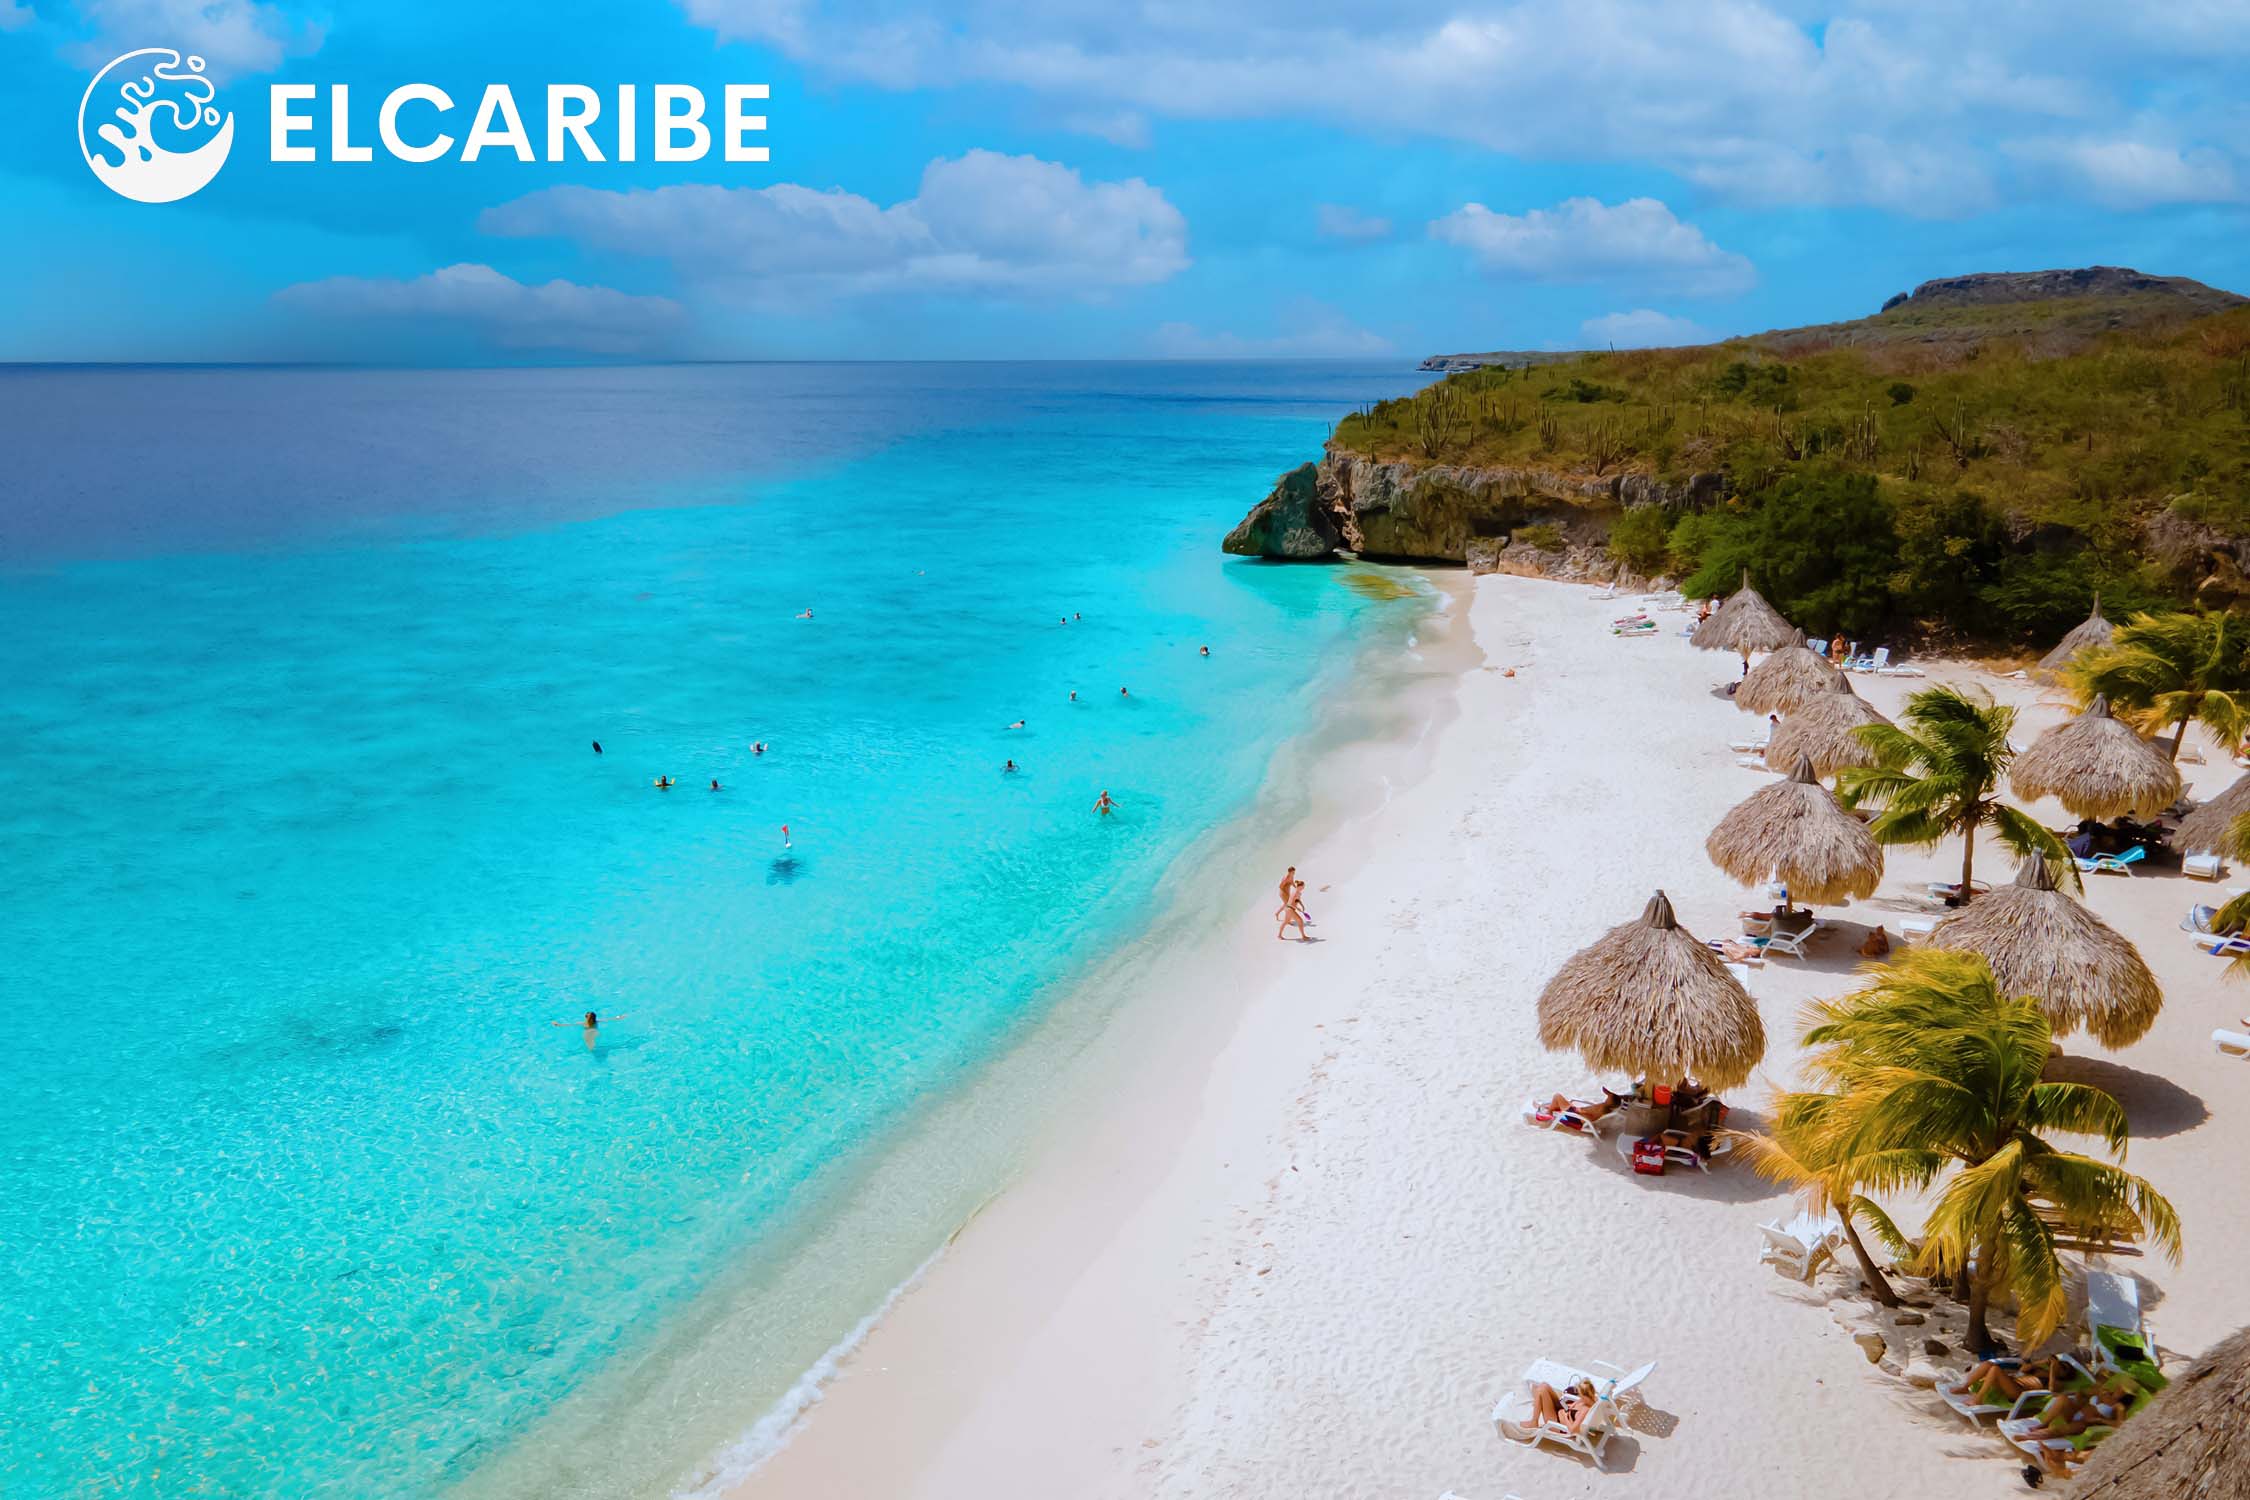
x: 1968, y: 859
x: 1878, y: 1285
x: 2179, y: 736
x: 1980, y: 1298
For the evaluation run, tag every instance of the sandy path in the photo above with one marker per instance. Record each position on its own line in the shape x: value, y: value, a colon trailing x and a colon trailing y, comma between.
x: 1300, y: 1241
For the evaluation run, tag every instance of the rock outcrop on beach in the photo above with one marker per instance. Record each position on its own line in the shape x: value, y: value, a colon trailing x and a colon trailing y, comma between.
x: 1403, y: 512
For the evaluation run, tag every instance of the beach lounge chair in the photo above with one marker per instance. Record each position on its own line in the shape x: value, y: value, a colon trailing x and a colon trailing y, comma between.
x: 1913, y: 928
x: 1791, y: 944
x: 1512, y: 1415
x: 1649, y: 1154
x: 1953, y: 1390
x: 2113, y: 864
x: 2223, y: 945
x: 1537, y: 1115
x: 1799, y: 1246
x: 2120, y: 1336
x: 2203, y: 867
x: 2232, y: 1043
x: 1874, y: 663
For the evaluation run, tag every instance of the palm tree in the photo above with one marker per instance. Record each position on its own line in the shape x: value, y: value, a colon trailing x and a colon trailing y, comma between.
x: 1933, y: 1074
x: 1800, y: 1154
x: 1939, y: 775
x: 2175, y: 669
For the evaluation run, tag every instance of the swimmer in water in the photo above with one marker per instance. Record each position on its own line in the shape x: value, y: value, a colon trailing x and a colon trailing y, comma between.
x: 663, y: 783
x: 597, y: 747
x: 1124, y: 692
x: 758, y: 748
x: 805, y: 614
x: 785, y: 837
x: 714, y: 783
x: 1009, y: 769
x: 1074, y: 695
x: 592, y: 1023
x: 1203, y: 650
x: 1075, y: 615
x: 1104, y: 805
x: 1017, y: 725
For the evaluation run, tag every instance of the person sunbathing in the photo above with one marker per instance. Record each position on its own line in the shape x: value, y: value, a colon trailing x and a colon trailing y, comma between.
x: 1996, y: 1384
x: 1565, y: 1409
x: 1589, y: 1112
x: 2072, y: 1412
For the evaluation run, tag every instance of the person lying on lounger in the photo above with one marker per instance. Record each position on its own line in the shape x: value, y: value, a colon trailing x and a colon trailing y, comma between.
x: 1589, y: 1112
x: 1565, y: 1409
x: 1996, y: 1384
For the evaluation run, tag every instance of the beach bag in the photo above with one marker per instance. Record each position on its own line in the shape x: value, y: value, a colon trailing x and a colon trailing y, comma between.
x: 1648, y: 1156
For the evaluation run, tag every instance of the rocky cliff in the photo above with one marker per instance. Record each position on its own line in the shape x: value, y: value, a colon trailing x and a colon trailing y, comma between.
x: 1402, y: 512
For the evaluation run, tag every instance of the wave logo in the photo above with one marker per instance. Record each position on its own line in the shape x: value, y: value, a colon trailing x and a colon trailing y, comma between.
x: 155, y: 136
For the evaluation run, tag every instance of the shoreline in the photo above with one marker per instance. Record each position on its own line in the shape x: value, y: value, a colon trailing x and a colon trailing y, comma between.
x: 1298, y: 1245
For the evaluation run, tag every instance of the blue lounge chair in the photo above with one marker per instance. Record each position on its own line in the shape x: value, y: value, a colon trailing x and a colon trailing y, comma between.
x: 2113, y: 864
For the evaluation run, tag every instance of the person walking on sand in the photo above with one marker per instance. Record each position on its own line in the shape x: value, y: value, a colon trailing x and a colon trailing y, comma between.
x: 1293, y: 891
x: 1291, y: 914
x: 1104, y: 805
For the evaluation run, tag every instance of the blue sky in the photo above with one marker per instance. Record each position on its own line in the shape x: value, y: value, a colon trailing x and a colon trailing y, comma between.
x: 1086, y: 180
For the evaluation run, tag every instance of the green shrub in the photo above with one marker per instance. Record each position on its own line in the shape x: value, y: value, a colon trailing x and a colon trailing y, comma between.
x: 1822, y: 548
x: 1950, y: 549
x: 1640, y: 539
x: 1901, y: 394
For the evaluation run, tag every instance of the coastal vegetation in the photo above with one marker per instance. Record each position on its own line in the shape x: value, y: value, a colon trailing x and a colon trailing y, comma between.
x: 2172, y: 670
x: 1929, y: 1077
x: 1939, y: 775
x: 1972, y: 469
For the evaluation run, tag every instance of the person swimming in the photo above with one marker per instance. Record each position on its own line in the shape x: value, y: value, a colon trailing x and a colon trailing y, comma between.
x: 592, y: 1024
x: 785, y: 837
x: 1074, y: 695
x: 1104, y: 804
x: 1203, y: 650
x: 1009, y: 769
x: 1017, y: 725
x: 1124, y: 692
x: 804, y: 614
x: 757, y: 747
x: 714, y: 783
x: 597, y: 747
x: 662, y: 783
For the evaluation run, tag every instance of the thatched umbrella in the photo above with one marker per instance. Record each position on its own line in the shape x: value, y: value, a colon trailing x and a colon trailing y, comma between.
x: 1745, y: 623
x: 2097, y: 767
x: 1795, y: 831
x: 1820, y: 730
x: 2045, y: 944
x: 2205, y: 831
x: 1649, y: 1000
x: 1785, y: 679
x: 2092, y: 631
x: 2189, y: 1443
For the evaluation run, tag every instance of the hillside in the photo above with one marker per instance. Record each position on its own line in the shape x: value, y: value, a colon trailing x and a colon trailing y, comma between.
x: 2032, y: 436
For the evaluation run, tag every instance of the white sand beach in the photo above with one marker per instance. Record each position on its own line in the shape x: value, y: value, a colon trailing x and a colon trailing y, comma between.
x: 1296, y: 1239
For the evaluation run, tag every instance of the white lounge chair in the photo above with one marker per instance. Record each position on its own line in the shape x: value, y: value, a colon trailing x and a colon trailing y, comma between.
x: 1569, y: 1121
x: 1686, y: 1156
x: 2222, y: 945
x: 1512, y: 1415
x: 1954, y: 1392
x: 1799, y: 1246
x: 2232, y: 1043
x: 2203, y: 867
x: 1913, y: 928
x: 1875, y: 663
x: 1790, y: 943
x: 2115, y: 1329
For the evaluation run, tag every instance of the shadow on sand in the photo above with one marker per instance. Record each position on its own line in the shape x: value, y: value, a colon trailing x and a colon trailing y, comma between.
x: 2154, y: 1106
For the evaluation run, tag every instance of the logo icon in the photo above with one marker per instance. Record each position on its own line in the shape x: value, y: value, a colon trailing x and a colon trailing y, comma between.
x: 156, y: 137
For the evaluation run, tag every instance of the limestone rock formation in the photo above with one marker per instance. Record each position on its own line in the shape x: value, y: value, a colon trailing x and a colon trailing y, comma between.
x: 1291, y: 522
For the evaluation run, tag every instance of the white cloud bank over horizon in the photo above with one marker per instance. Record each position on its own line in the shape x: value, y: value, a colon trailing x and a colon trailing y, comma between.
x: 1642, y: 328
x: 981, y: 222
x: 1316, y: 331
x: 1584, y: 239
x: 1895, y: 104
x: 512, y: 314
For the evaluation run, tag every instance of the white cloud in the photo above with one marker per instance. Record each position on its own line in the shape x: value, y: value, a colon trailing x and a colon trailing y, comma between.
x: 1315, y: 332
x: 236, y: 36
x: 1642, y: 328
x: 1584, y: 239
x: 2136, y: 174
x: 981, y: 222
x: 14, y: 15
x: 556, y: 315
x: 1339, y: 221
x: 1124, y: 127
x: 1895, y: 103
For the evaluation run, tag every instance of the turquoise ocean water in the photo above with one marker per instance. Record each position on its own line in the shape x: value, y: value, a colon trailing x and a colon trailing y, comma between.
x: 307, y: 846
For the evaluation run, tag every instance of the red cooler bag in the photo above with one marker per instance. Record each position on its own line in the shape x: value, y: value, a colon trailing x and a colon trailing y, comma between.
x: 1648, y: 1156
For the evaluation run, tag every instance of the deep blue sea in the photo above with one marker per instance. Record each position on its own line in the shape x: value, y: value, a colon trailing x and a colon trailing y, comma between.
x: 308, y: 849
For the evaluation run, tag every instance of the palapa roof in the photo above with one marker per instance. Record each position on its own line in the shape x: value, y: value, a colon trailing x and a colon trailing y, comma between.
x: 2207, y: 829
x: 2189, y: 1442
x: 1745, y: 623
x: 2091, y: 631
x: 1649, y: 1000
x: 1820, y: 730
x: 1785, y: 679
x: 2044, y: 943
x: 2097, y: 767
x: 1795, y: 831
